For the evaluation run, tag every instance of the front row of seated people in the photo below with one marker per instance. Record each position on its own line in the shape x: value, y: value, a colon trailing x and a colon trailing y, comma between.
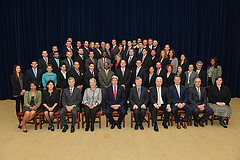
x: 170, y: 100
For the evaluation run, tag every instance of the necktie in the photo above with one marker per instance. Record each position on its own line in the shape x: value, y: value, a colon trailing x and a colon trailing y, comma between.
x: 70, y: 91
x: 87, y: 49
x: 159, y: 102
x: 46, y: 60
x: 93, y: 61
x: 78, y: 73
x: 199, y: 96
x: 104, y: 60
x: 178, y: 90
x: 158, y: 72
x: 92, y: 74
x: 115, y: 93
x: 139, y: 93
x: 123, y: 72
x: 129, y: 61
x: 143, y: 59
x: 107, y: 73
x: 35, y: 72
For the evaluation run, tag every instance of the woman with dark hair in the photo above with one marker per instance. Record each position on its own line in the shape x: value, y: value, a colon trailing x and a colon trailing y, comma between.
x: 164, y: 59
x: 50, y: 100
x: 49, y: 75
x: 121, y: 51
x: 18, y: 87
x: 173, y: 60
x: 181, y: 74
x: 62, y: 77
x: 219, y: 97
x: 183, y: 62
x: 170, y: 76
x: 32, y: 101
x: 151, y: 78
x: 213, y: 71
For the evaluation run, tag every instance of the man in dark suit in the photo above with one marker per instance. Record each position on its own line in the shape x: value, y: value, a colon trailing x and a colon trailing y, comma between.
x: 67, y: 48
x: 131, y: 60
x: 71, y: 98
x: 97, y: 51
x: 161, y: 72
x: 198, y: 102
x: 150, y: 45
x: 201, y: 73
x: 44, y: 61
x: 139, y: 51
x: 114, y: 47
x: 103, y: 46
x: 124, y: 78
x: 129, y: 46
x: 156, y: 48
x: 68, y: 61
x: 34, y: 74
x: 80, y: 58
x: 91, y: 72
x: 76, y: 49
x: 115, y: 99
x: 179, y: 100
x: 54, y: 49
x: 154, y: 58
x: 91, y: 59
x: 139, y: 99
x: 146, y: 59
x: 77, y: 75
x: 56, y: 62
x: 109, y: 53
x: 139, y: 72
x: 160, y: 100
x: 85, y: 49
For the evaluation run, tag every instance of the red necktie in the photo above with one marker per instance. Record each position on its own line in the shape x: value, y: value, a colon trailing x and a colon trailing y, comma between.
x: 115, y: 93
x: 93, y: 62
x: 87, y: 49
x: 71, y: 91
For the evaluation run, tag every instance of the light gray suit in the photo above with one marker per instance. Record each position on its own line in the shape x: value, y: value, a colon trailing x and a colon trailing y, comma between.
x: 174, y: 63
x: 101, y: 64
x: 192, y: 77
x: 215, y: 73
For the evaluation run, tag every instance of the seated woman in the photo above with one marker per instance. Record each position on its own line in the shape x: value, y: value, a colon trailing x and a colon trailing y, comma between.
x: 181, y: 74
x: 49, y: 75
x: 50, y: 100
x: 213, y: 71
x: 219, y: 97
x: 170, y: 75
x: 91, y: 100
x: 32, y: 101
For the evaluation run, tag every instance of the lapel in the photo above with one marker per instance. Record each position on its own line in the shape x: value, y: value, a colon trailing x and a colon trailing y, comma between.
x: 177, y: 91
x: 137, y: 93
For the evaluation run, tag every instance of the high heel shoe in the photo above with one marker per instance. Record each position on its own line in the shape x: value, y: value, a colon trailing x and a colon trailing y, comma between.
x: 52, y: 128
x: 25, y: 131
x: 19, y: 126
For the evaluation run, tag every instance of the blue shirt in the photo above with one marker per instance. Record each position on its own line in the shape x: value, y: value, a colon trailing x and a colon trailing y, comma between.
x: 46, y: 77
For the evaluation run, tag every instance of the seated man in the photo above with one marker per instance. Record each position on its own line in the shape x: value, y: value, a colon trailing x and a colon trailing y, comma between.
x: 115, y: 100
x: 179, y: 99
x: 160, y: 100
x: 198, y: 102
x: 71, y: 98
x: 139, y: 99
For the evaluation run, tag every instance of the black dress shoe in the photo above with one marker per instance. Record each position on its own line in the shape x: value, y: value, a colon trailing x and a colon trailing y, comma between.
x: 119, y: 126
x: 156, y: 128
x: 165, y: 125
x: 222, y: 123
x: 72, y: 129
x: 19, y: 126
x: 25, y: 131
x: 141, y: 127
x: 113, y: 125
x: 87, y: 128
x: 49, y: 126
x: 65, y: 128
x: 195, y: 124
x: 92, y: 127
x: 201, y: 124
x: 136, y: 127
x: 52, y: 128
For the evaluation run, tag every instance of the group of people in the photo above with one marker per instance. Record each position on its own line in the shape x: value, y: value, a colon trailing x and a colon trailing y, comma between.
x: 133, y: 74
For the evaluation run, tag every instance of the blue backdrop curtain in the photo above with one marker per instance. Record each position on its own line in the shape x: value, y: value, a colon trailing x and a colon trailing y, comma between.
x: 199, y: 28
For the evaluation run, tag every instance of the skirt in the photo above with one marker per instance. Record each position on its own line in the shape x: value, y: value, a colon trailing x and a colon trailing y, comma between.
x: 224, y: 111
x: 54, y: 110
x: 28, y: 109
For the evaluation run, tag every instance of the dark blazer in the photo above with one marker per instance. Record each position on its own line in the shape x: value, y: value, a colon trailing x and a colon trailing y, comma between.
x: 165, y: 96
x: 113, y: 67
x: 170, y: 80
x: 174, y: 95
x: 78, y: 78
x: 147, y: 62
x: 86, y: 53
x: 222, y: 95
x: 158, y: 51
x: 68, y: 67
x: 68, y: 100
x: 56, y: 69
x: 65, y: 49
x: 184, y: 66
x: 62, y: 82
x: 30, y: 76
x: 123, y: 54
x: 120, y: 98
x: 203, y: 76
x: 183, y: 78
x: 151, y: 83
x: 42, y: 64
x: 81, y: 62
x: 88, y: 76
x: 126, y: 80
x: 163, y: 74
x: 16, y: 88
x: 134, y: 99
x: 164, y: 62
x: 88, y: 61
x: 114, y: 51
x: 97, y: 54
x: 193, y: 96
x: 154, y: 61
x: 132, y: 64
x: 142, y: 73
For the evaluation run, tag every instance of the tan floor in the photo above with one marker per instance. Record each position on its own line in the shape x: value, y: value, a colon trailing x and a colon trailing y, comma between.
x: 211, y: 142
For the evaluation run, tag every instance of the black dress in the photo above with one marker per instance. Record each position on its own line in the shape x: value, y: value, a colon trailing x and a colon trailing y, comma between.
x: 50, y: 99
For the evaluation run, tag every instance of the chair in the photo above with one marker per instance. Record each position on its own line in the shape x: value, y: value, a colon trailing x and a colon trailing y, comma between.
x: 69, y: 116
x: 144, y: 120
x: 97, y: 116
x: 56, y: 115
x: 216, y: 118
x: 20, y: 117
x: 161, y: 114
x: 191, y: 118
x: 115, y: 114
x: 180, y: 112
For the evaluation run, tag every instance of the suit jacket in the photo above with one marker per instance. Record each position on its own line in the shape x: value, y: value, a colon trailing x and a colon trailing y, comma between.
x: 174, y: 95
x: 192, y: 77
x: 30, y: 76
x: 193, y: 96
x: 100, y: 63
x: 16, y: 88
x: 75, y: 99
x: 154, y: 61
x: 103, y: 79
x: 163, y: 74
x: 62, y: 82
x: 216, y: 73
x: 147, y: 63
x: 142, y: 73
x: 223, y: 95
x: 132, y: 64
x: 42, y: 64
x: 165, y: 62
x: 114, y: 66
x: 78, y: 78
x: 164, y: 93
x: 170, y: 80
x: 37, y: 98
x: 134, y: 98
x: 114, y: 51
x: 158, y: 51
x: 81, y: 62
x: 68, y: 67
x: 65, y: 49
x: 151, y: 83
x: 126, y: 79
x: 86, y: 52
x: 88, y: 76
x: 120, y: 97
x: 203, y: 76
x: 97, y: 54
x: 88, y: 61
x: 55, y: 66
